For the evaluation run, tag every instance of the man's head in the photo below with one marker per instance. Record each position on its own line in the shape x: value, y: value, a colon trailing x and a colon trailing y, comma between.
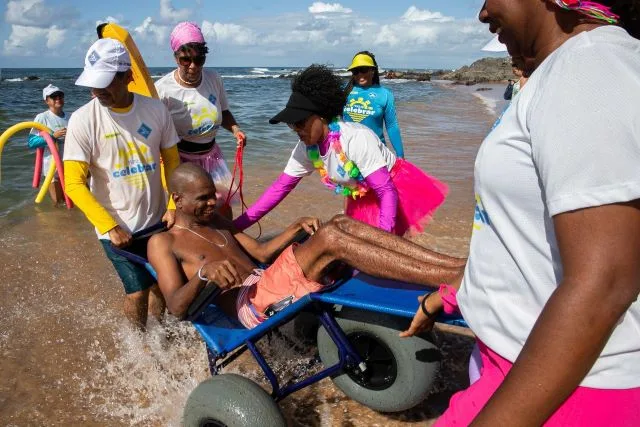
x: 194, y: 193
x: 107, y: 71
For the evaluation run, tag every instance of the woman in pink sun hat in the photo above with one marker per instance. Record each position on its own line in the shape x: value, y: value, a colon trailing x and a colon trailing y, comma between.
x: 198, y: 104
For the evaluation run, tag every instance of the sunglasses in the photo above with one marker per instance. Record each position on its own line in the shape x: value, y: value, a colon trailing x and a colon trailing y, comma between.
x: 56, y: 95
x: 360, y: 70
x: 186, y: 61
x: 298, y: 125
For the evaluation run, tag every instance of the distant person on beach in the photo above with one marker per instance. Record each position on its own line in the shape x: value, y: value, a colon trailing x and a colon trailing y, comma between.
x: 552, y: 281
x: 381, y: 189
x: 370, y: 103
x: 55, y: 119
x: 519, y: 70
x: 204, y: 247
x: 120, y: 138
x: 198, y: 105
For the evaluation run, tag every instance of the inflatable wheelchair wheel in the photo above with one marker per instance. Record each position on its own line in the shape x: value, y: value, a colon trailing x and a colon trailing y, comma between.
x: 230, y: 400
x: 400, y: 371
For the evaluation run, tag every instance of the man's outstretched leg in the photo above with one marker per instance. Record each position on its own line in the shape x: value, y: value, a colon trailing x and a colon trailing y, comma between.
x: 379, y: 256
x: 399, y: 244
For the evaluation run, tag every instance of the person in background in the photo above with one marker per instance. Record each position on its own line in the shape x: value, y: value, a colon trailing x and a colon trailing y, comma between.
x: 370, y: 103
x: 381, y: 189
x: 55, y: 119
x: 198, y: 105
x: 120, y: 138
x: 519, y: 70
x: 518, y: 66
x: 552, y: 281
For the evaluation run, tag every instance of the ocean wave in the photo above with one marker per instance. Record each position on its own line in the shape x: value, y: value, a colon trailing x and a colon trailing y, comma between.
x: 19, y: 79
x: 491, y: 104
x: 260, y: 70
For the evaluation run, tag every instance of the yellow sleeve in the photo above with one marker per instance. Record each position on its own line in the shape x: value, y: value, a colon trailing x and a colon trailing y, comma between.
x: 170, y: 160
x: 75, y: 179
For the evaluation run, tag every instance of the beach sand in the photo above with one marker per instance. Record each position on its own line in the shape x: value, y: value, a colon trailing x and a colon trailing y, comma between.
x: 69, y: 358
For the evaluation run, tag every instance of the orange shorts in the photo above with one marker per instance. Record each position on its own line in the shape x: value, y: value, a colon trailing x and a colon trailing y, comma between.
x: 284, y: 278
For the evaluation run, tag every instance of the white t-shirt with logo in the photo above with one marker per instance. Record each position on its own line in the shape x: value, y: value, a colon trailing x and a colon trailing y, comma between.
x: 196, y: 112
x: 123, y: 153
x: 569, y: 140
x: 361, y: 146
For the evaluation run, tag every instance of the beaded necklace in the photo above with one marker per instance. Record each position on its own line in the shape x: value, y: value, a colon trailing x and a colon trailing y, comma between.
x: 348, y: 167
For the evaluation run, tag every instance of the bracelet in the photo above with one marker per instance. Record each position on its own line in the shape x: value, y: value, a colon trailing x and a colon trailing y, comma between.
x: 200, y: 275
x: 423, y: 306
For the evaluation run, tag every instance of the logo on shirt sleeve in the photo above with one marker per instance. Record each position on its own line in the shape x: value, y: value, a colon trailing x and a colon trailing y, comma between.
x: 144, y: 130
x: 480, y: 217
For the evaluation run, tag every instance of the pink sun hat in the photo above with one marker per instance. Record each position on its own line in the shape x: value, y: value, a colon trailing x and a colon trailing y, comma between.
x: 183, y: 33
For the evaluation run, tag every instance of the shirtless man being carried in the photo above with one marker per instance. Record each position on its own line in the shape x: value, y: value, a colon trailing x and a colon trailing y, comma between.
x: 203, y: 247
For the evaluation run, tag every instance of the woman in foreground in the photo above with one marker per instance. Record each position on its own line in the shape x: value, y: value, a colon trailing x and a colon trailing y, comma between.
x: 551, y: 284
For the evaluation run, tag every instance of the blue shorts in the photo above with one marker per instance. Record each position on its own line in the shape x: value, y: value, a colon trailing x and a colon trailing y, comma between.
x: 135, y: 277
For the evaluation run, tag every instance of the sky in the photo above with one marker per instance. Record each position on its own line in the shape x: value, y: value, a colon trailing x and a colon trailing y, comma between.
x: 402, y: 34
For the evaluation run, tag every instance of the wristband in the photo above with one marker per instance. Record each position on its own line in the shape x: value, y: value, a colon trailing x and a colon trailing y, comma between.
x: 200, y: 275
x: 423, y: 306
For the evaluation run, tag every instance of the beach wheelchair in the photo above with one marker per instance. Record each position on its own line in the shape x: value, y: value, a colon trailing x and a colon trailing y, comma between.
x: 359, y: 319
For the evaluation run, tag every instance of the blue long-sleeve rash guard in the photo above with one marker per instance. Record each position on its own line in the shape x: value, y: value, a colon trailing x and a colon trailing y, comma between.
x: 375, y: 107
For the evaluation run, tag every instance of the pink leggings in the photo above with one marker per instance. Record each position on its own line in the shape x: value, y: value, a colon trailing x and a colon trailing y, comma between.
x: 585, y: 407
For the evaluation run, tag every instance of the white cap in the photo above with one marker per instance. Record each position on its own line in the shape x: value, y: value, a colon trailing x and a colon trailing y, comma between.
x: 494, y: 45
x: 50, y: 90
x: 104, y: 59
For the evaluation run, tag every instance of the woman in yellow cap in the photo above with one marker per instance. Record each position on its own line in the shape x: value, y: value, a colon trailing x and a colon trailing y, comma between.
x: 370, y: 103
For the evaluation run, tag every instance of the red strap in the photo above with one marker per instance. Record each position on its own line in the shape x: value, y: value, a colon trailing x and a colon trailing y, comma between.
x: 238, y: 167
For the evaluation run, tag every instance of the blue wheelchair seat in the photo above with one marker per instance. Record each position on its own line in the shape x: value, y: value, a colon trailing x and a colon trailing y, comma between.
x: 224, y: 334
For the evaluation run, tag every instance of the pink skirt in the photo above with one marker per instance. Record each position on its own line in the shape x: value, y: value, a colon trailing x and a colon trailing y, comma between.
x: 584, y: 407
x: 419, y: 195
x: 213, y: 162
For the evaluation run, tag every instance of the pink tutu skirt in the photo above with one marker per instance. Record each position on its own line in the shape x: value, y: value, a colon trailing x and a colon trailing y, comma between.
x: 213, y: 162
x: 419, y: 195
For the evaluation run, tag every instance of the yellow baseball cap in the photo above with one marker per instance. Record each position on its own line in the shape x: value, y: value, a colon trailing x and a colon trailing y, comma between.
x: 361, y: 60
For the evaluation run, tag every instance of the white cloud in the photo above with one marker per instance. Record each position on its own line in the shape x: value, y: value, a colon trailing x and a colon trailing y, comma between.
x: 413, y: 14
x: 35, y: 13
x: 320, y: 7
x: 108, y: 19
x: 232, y: 34
x: 157, y: 33
x: 172, y: 15
x: 30, y: 41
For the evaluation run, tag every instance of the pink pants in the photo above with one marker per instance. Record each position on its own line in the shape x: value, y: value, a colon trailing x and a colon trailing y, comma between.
x: 585, y: 407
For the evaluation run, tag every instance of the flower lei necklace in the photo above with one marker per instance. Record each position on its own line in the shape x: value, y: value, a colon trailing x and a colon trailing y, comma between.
x: 348, y: 167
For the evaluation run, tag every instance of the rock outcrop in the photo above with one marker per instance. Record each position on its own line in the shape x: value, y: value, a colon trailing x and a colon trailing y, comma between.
x: 482, y: 71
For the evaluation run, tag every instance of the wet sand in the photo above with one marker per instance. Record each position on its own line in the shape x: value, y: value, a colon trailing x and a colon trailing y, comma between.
x: 69, y: 358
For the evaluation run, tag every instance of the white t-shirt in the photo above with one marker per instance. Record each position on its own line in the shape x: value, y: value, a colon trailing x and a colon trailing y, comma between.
x: 196, y: 112
x: 360, y: 144
x: 123, y: 152
x: 51, y: 121
x: 569, y: 140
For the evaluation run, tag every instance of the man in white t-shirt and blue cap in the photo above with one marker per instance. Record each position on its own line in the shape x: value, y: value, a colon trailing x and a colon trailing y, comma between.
x: 119, y: 138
